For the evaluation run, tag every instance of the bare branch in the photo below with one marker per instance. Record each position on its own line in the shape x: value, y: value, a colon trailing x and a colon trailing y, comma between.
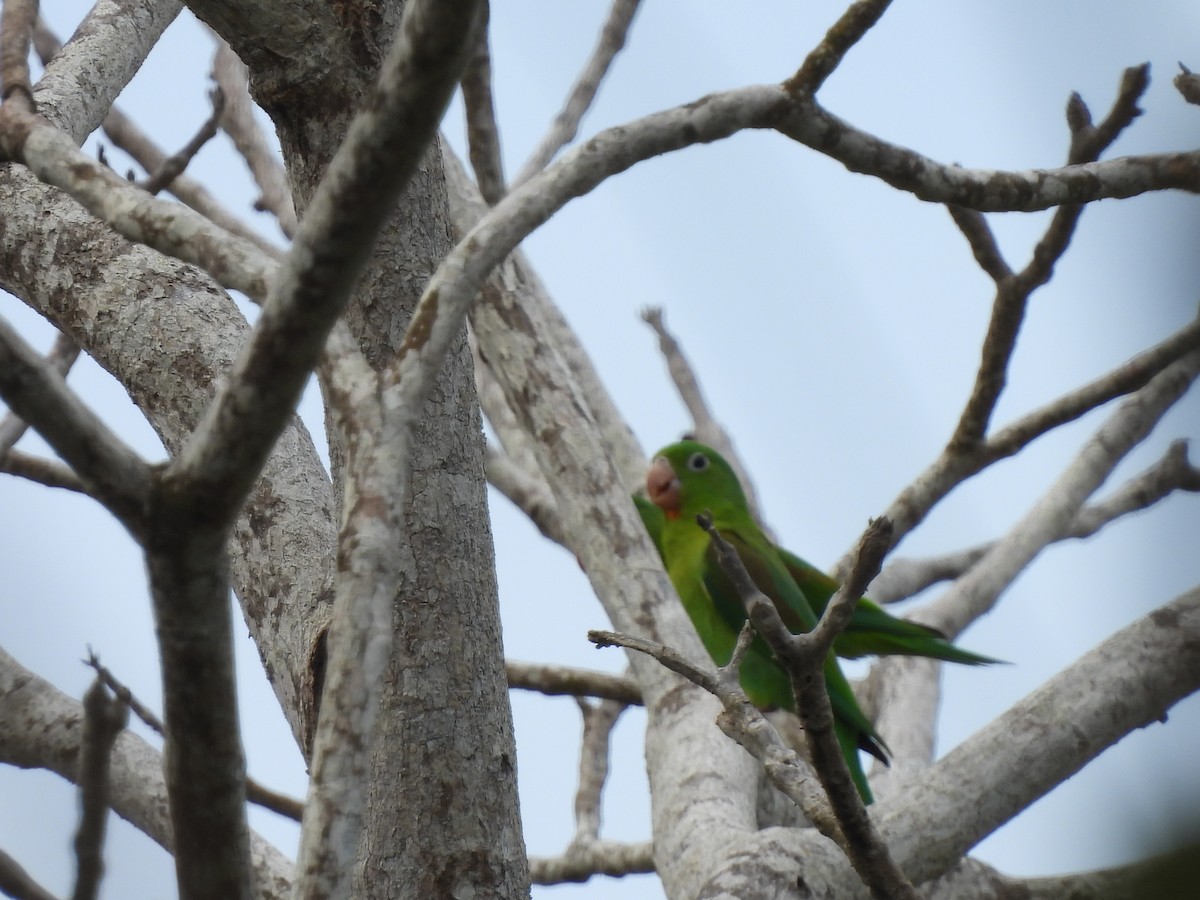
x: 529, y: 495
x: 104, y: 718
x: 15, y: 882
x: 1125, y: 379
x: 16, y: 29
x: 255, y: 792
x: 983, y: 245
x: 1187, y: 83
x: 579, y: 864
x: 1013, y: 292
x: 985, y: 190
x: 1130, y: 681
x: 35, y: 391
x: 1049, y: 518
x: 563, y: 681
x: 951, y: 469
x: 744, y: 723
x: 238, y: 122
x: 483, y: 135
x: 43, y: 471
x: 103, y: 55
x: 583, y: 92
x: 40, y: 728
x: 599, y: 719
x: 167, y: 227
x: 849, y: 29
x: 904, y: 577
x: 172, y: 167
x: 61, y: 357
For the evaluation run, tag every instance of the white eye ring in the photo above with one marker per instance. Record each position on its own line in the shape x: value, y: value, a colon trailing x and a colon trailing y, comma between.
x: 697, y: 462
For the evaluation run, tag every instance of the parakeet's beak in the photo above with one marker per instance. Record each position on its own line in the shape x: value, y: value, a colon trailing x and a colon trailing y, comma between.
x: 662, y: 486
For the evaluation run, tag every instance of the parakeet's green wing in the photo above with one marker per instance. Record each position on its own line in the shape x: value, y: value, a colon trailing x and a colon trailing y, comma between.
x: 772, y: 579
x: 873, y: 632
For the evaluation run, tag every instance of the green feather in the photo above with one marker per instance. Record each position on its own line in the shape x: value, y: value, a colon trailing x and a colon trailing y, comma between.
x: 706, y: 483
x: 871, y: 632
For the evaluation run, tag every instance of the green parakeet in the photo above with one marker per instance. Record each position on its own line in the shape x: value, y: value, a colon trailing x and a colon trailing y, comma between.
x: 687, y: 479
x: 871, y: 632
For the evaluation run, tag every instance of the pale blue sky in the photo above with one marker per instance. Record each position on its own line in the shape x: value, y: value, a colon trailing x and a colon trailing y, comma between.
x: 835, y: 324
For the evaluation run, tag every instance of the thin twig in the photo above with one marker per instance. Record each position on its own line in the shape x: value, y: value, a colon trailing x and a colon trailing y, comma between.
x: 104, y: 718
x: 583, y: 92
x: 744, y: 723
x: 597, y: 858
x: 1013, y: 291
x: 61, y: 357
x: 255, y: 792
x: 849, y: 29
x: 238, y: 121
x: 529, y: 495
x: 483, y: 134
x: 15, y: 882
x: 983, y: 244
x: 16, y: 29
x: 563, y: 681
x: 124, y: 134
x: 43, y: 471
x: 173, y: 166
x: 599, y: 719
x: 35, y: 391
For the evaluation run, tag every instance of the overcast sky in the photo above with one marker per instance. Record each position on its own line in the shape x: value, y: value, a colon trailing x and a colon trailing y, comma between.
x: 836, y: 326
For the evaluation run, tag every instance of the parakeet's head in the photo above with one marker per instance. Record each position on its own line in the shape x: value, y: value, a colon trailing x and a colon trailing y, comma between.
x: 688, y: 478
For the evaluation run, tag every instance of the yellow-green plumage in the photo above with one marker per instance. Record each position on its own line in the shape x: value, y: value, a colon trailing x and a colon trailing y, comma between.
x: 688, y: 479
x: 871, y: 632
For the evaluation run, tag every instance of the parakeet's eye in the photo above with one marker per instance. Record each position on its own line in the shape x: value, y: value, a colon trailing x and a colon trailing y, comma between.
x: 697, y: 462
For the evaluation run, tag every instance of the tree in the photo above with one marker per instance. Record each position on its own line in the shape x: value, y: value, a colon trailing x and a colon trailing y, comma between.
x: 370, y: 594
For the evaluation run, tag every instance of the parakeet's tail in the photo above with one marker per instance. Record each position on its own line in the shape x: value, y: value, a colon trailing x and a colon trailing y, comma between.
x: 934, y: 648
x: 852, y: 741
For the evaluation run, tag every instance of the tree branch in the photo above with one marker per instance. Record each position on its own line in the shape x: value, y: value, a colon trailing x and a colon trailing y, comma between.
x: 104, y: 718
x: 1013, y: 291
x: 16, y: 28
x: 255, y: 792
x: 35, y: 391
x: 849, y: 29
x: 61, y: 357
x: 40, y: 729
x: 1129, y: 681
x: 566, y: 124
x: 579, y: 864
x: 564, y: 681
x: 1048, y: 519
x: 483, y: 135
x: 17, y: 883
x: 902, y: 578
x: 172, y: 167
x: 42, y: 471
x: 237, y: 121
